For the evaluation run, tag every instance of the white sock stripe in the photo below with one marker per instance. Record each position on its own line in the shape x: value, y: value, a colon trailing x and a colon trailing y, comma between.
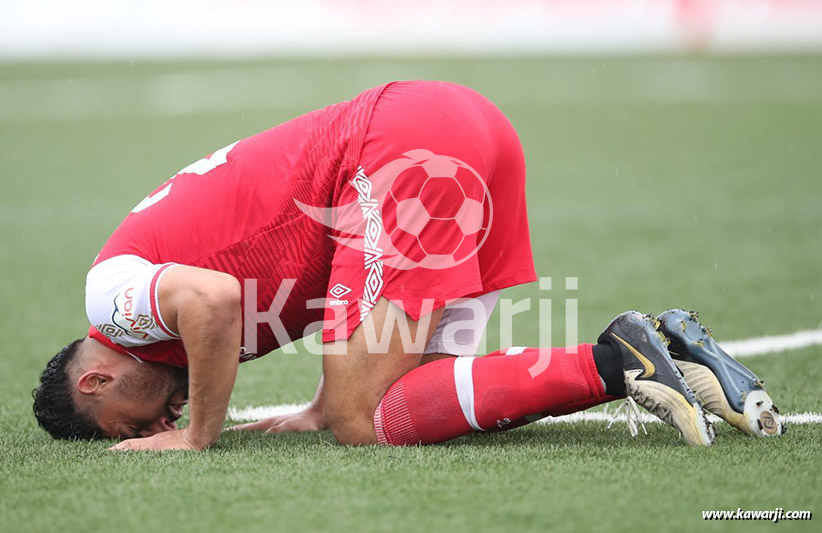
x: 515, y: 350
x: 464, y: 381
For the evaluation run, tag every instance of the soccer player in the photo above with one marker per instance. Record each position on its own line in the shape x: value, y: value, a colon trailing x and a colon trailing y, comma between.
x: 390, y: 222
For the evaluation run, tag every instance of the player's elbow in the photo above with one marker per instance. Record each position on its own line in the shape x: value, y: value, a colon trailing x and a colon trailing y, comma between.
x: 220, y: 297
x: 226, y: 292
x: 190, y: 293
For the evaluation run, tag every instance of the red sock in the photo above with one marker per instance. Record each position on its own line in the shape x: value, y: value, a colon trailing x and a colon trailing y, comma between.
x: 451, y: 397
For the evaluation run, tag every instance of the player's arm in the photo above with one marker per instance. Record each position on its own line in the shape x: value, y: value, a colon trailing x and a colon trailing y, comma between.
x: 312, y: 418
x: 204, y: 308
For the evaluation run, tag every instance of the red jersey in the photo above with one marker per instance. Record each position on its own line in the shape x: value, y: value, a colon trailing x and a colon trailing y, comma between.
x: 258, y: 209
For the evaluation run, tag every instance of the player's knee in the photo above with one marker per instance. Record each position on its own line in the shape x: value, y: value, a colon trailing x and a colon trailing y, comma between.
x: 352, y: 429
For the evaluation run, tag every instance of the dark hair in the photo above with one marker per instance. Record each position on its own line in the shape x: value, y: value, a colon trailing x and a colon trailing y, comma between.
x: 54, y: 404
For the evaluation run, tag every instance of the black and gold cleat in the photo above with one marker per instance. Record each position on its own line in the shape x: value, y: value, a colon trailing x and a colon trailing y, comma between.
x: 726, y: 387
x: 652, y: 379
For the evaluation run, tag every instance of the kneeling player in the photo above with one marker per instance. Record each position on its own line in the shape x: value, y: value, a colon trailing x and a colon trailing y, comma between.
x: 370, y: 220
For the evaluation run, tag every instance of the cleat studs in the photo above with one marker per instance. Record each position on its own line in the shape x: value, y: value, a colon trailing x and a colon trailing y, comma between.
x: 767, y: 423
x: 775, y: 408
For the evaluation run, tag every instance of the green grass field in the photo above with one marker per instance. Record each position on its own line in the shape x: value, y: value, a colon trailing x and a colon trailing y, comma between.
x: 659, y: 182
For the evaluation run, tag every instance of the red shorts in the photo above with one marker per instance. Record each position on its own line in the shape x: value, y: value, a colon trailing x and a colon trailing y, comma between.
x: 436, y: 211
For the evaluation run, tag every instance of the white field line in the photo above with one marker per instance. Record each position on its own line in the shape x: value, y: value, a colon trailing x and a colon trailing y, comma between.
x: 265, y: 411
x: 741, y: 348
x: 605, y: 416
x: 776, y: 343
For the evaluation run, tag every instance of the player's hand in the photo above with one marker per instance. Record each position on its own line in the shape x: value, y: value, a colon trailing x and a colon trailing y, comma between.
x: 305, y: 420
x: 167, y: 440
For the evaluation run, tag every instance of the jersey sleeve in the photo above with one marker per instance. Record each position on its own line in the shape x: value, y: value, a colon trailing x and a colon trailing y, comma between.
x: 122, y: 300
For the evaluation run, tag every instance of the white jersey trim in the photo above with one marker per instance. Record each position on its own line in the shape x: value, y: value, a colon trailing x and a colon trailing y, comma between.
x: 122, y: 300
x: 155, y: 293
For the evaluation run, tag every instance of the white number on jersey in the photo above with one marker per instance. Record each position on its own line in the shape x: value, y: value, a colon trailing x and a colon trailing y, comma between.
x: 201, y: 167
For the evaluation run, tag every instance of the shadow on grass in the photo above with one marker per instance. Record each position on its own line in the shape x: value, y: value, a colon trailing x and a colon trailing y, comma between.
x: 585, y: 439
x: 559, y: 436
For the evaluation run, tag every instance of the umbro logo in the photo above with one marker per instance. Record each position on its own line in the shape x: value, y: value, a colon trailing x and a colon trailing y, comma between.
x: 339, y: 290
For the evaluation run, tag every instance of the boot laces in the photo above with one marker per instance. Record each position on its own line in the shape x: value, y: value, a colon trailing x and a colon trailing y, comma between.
x: 633, y: 416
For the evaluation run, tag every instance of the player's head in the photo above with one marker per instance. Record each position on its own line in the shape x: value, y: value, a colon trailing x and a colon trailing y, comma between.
x: 91, y: 391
